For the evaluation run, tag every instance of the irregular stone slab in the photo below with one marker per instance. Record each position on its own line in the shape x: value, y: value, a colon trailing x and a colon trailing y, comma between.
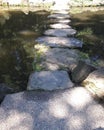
x: 95, y: 82
x: 81, y: 71
x: 59, y: 16
x: 59, y: 42
x: 71, y: 109
x: 60, y: 32
x: 58, y: 58
x: 59, y: 25
x: 49, y: 80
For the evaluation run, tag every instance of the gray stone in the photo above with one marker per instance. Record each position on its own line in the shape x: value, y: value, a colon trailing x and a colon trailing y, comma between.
x: 58, y: 58
x: 59, y: 16
x: 95, y: 82
x: 60, y: 32
x: 70, y: 109
x: 81, y: 71
x: 59, y: 25
x: 4, y: 90
x: 65, y: 21
x: 49, y: 80
x: 59, y: 42
x: 60, y: 12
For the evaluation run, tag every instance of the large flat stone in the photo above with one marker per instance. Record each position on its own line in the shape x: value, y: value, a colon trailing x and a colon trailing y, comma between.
x: 59, y: 25
x: 71, y: 109
x: 60, y: 32
x: 59, y: 42
x: 58, y: 58
x: 59, y: 16
x: 49, y: 80
x: 64, y: 21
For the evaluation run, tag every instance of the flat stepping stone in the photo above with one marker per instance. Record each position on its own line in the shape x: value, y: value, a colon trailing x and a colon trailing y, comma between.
x: 60, y: 32
x: 71, y: 109
x: 59, y: 25
x: 58, y: 58
x: 49, y: 80
x: 60, y: 12
x: 59, y: 42
x: 59, y: 16
x: 65, y: 21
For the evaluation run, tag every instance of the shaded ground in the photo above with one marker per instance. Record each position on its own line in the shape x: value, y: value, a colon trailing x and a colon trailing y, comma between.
x: 90, y: 27
x: 18, y: 31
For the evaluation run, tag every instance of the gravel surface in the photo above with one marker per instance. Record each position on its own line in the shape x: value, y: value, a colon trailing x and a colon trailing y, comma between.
x: 71, y: 109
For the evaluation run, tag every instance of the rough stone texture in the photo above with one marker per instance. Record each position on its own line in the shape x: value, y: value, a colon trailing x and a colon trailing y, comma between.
x: 59, y: 16
x: 58, y: 58
x: 81, y: 71
x: 59, y: 42
x: 60, y: 32
x: 71, y: 109
x: 59, y: 25
x: 49, y: 80
x: 95, y: 82
x: 4, y: 89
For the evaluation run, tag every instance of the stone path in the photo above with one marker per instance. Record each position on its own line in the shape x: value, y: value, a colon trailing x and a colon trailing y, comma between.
x: 55, y: 103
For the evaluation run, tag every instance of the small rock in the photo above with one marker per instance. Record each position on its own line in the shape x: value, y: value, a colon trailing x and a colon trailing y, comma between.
x: 49, y: 80
x: 81, y: 71
x: 60, y: 32
x: 59, y: 42
x: 95, y: 82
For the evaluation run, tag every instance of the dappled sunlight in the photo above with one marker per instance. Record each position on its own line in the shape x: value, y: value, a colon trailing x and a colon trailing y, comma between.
x: 16, y: 120
x: 96, y: 112
x: 58, y: 109
x: 78, y: 98
x: 76, y: 122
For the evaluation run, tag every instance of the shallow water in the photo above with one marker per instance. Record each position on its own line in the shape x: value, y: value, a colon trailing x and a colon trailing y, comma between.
x: 17, y: 39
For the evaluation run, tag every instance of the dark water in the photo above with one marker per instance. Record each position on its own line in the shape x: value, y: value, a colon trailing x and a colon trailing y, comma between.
x: 17, y: 39
x: 90, y: 27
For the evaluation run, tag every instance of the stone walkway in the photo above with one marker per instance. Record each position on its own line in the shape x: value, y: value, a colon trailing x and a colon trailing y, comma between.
x: 55, y: 103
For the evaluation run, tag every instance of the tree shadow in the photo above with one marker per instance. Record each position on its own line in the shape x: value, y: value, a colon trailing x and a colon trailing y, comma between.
x: 17, y: 36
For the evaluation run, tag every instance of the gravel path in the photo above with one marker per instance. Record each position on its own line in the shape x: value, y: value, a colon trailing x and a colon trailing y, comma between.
x: 71, y: 109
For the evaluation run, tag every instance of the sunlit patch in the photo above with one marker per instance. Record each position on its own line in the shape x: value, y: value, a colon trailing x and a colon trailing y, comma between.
x: 76, y: 122
x: 58, y: 109
x: 41, y: 48
x: 16, y: 119
x: 78, y: 98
